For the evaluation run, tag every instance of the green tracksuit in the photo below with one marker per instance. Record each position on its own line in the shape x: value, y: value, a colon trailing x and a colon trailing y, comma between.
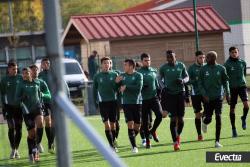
x: 132, y: 93
x: 212, y: 80
x: 105, y: 88
x: 236, y: 70
x: 8, y: 89
x: 193, y: 72
x: 150, y: 82
x: 30, y: 95
x: 170, y: 74
x: 45, y: 93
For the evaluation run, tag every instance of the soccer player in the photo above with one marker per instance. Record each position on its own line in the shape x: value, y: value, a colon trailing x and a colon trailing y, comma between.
x: 236, y: 70
x: 175, y: 75
x: 212, y: 79
x: 150, y: 100
x: 48, y: 115
x: 105, y: 93
x: 131, y: 86
x: 30, y: 96
x: 11, y: 108
x: 196, y: 96
x: 45, y: 92
x: 118, y: 109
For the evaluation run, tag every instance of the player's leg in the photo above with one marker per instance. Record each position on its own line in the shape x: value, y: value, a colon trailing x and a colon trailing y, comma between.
x: 197, y: 106
x: 39, y: 120
x: 117, y: 124
x: 157, y: 109
x: 234, y: 97
x: 145, y: 121
x: 18, y: 120
x: 104, y: 109
x: 218, y: 108
x: 137, y: 121
x: 207, y: 115
x: 112, y: 120
x: 180, y: 114
x: 244, y: 98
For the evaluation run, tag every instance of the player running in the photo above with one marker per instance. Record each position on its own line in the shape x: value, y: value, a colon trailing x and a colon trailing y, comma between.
x: 105, y: 93
x: 196, y: 96
x: 174, y: 76
x: 150, y: 99
x: 236, y: 70
x: 11, y: 108
x: 131, y: 86
x: 212, y: 79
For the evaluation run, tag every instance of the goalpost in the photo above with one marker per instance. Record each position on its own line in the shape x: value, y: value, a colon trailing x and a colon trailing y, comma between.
x: 61, y: 102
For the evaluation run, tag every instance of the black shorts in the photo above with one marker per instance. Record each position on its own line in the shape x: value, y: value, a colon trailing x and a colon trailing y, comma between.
x: 108, y: 111
x: 174, y: 104
x: 241, y: 91
x: 132, y: 112
x: 213, y: 106
x: 29, y: 119
x: 13, y: 112
x: 197, y: 101
x: 47, y: 109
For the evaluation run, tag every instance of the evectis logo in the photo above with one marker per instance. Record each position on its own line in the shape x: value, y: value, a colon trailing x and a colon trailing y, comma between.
x: 228, y: 157
x: 225, y: 158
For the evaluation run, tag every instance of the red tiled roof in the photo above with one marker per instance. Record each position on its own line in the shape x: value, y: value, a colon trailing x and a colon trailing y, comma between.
x: 147, y: 5
x: 122, y: 25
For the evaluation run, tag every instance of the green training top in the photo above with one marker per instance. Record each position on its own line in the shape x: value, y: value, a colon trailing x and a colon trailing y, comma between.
x: 193, y: 72
x: 212, y: 80
x: 132, y: 93
x: 170, y: 74
x: 29, y: 94
x: 236, y: 71
x: 105, y: 87
x: 150, y: 82
x: 8, y: 89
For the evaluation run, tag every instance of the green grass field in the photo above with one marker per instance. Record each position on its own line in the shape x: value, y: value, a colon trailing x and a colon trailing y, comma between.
x: 161, y: 154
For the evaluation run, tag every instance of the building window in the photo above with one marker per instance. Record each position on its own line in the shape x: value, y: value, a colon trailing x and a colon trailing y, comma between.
x: 2, y: 56
x: 40, y: 52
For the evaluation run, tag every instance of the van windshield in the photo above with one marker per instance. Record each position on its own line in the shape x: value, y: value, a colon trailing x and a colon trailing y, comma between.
x: 72, y: 68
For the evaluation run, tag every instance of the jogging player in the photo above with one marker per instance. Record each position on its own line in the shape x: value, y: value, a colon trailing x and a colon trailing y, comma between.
x: 212, y: 79
x: 11, y: 108
x: 196, y: 96
x: 174, y: 75
x: 45, y: 91
x: 150, y: 99
x: 48, y: 115
x: 236, y: 70
x: 130, y: 87
x: 105, y: 93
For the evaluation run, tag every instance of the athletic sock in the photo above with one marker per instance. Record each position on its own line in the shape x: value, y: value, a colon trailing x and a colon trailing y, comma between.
x: 48, y: 132
x: 109, y: 137
x: 39, y: 135
x: 173, y: 130
x: 131, y: 135
x: 198, y: 125
x: 142, y: 134
x: 157, y: 122
x: 113, y: 134
x: 232, y: 119
x: 245, y: 112
x: 117, y: 129
x: 11, y: 136
x: 180, y: 126
x: 18, y: 136
x: 218, y: 127
x: 31, y: 144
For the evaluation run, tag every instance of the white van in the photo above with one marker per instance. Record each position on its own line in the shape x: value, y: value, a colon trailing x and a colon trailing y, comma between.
x: 74, y: 76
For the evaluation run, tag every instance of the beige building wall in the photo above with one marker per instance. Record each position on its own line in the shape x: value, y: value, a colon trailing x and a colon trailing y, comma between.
x: 184, y: 47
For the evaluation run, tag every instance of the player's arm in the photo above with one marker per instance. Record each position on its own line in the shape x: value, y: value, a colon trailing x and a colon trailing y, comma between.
x: 192, y: 78
x: 95, y: 87
x: 225, y: 82
x: 185, y: 76
x: 200, y: 83
x: 46, y: 95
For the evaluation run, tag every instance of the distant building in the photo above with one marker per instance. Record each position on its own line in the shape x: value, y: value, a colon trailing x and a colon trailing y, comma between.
x: 127, y: 35
x: 235, y: 12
